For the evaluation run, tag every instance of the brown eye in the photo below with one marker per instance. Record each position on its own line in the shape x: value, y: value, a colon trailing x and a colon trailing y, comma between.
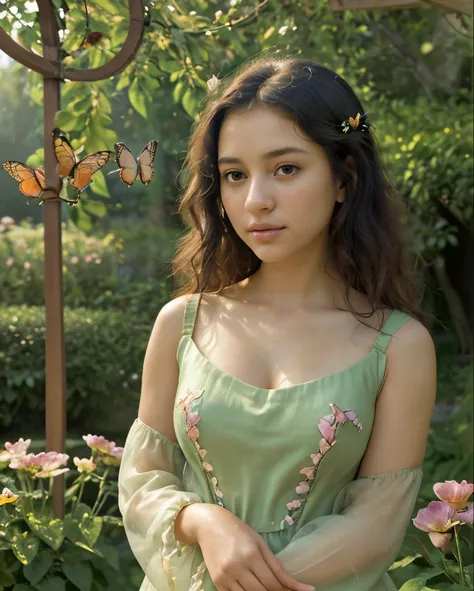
x: 226, y: 175
x: 288, y: 168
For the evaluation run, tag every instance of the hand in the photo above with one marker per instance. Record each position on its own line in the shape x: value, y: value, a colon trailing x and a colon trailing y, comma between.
x: 236, y: 556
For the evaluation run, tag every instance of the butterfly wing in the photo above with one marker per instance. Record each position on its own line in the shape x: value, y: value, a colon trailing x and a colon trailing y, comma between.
x: 31, y: 184
x: 81, y: 175
x: 145, y: 160
x: 128, y: 164
x: 64, y: 153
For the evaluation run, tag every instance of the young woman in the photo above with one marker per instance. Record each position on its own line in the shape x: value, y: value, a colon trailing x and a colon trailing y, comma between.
x: 288, y: 389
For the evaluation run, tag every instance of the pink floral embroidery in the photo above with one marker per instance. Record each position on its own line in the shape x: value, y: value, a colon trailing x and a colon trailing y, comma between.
x: 192, y: 419
x: 327, y: 427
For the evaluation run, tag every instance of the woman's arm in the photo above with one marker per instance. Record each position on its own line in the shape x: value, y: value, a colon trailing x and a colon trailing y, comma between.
x: 150, y: 481
x: 351, y: 549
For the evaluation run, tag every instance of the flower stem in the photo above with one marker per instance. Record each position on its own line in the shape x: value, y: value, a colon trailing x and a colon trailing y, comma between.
x: 81, y: 490
x: 459, y: 557
x: 101, y: 491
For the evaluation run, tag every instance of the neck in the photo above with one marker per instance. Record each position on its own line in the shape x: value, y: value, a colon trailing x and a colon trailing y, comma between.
x: 302, y: 282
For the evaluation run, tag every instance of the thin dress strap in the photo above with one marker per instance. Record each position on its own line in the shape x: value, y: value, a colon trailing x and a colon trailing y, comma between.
x: 395, y: 321
x: 190, y: 313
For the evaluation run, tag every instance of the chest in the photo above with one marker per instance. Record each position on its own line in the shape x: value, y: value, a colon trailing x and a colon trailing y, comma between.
x: 276, y: 351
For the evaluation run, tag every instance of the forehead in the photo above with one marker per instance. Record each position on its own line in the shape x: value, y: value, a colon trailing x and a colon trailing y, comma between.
x: 260, y: 129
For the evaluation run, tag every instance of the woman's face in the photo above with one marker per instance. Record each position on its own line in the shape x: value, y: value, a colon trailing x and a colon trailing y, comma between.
x: 292, y: 188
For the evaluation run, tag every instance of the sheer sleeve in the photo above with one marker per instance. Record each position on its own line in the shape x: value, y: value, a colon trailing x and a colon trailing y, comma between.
x: 150, y: 498
x: 352, y: 548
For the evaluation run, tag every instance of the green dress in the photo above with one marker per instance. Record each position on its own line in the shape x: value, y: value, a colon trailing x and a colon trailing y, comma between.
x: 283, y: 460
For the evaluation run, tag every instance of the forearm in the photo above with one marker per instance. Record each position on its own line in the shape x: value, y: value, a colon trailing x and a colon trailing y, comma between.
x: 193, y: 519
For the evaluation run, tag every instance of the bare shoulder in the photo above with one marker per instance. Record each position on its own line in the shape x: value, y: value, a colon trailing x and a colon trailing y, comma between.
x: 412, y: 337
x: 160, y: 368
x: 411, y: 364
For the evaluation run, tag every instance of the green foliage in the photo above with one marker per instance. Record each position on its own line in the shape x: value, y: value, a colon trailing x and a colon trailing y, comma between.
x: 96, y: 382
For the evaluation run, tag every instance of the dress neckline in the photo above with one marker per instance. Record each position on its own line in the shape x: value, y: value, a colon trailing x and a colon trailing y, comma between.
x: 302, y: 385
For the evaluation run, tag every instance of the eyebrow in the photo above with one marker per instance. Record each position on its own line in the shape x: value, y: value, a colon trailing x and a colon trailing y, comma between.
x: 267, y: 156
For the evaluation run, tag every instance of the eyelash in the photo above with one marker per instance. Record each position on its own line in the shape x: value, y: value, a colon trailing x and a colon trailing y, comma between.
x: 225, y: 175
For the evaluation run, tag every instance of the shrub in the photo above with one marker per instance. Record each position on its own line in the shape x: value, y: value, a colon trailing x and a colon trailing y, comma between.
x: 104, y: 357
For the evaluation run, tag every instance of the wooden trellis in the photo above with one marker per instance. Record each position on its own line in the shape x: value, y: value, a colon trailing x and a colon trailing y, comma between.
x: 53, y: 72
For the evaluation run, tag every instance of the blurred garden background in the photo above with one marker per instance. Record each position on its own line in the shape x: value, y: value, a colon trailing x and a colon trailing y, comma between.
x: 413, y: 71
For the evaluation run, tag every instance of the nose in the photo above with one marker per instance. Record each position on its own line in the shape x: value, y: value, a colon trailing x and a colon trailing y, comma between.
x: 259, y: 197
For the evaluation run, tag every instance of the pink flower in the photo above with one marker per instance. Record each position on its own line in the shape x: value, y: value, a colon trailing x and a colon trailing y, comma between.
x: 9, y: 262
x: 442, y: 541
x: 6, y: 220
x: 88, y: 258
x: 316, y: 458
x: 202, y: 453
x: 42, y: 465
x: 74, y: 260
x: 324, y: 446
x: 302, y: 488
x: 467, y: 515
x: 293, y: 505
x: 193, y: 433
x: 339, y: 415
x: 455, y: 494
x: 308, y: 472
x: 288, y: 519
x: 207, y: 467
x: 326, y: 430
x: 27, y: 265
x: 18, y: 448
x: 100, y: 444
x: 30, y: 463
x: 50, y: 464
x: 192, y: 419
x: 437, y: 517
x: 86, y: 465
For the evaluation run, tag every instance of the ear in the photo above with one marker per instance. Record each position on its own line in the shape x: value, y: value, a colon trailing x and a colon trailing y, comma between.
x: 341, y: 192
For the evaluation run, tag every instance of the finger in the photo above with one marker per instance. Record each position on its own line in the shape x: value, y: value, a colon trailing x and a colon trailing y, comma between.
x: 283, y: 577
x: 266, y: 576
x: 236, y: 586
x: 250, y: 582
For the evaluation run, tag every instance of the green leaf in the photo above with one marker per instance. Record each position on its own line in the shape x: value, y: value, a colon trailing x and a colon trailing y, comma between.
x: 99, y: 187
x: 65, y: 120
x: 81, y: 219
x: 405, y: 561
x: 20, y: 587
x: 178, y: 91
x: 37, y: 569
x: 83, y: 528
x: 25, y: 547
x: 124, y: 80
x: 137, y: 99
x: 96, y: 208
x: 110, y: 553
x: 51, y: 584
x: 80, y: 574
x: 189, y: 102
x: 47, y: 528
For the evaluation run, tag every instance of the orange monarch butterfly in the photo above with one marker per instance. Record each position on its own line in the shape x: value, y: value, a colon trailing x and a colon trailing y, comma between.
x: 80, y: 172
x: 131, y: 167
x: 32, y: 182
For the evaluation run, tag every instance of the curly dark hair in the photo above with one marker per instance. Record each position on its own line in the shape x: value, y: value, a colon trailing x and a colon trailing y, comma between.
x: 367, y: 235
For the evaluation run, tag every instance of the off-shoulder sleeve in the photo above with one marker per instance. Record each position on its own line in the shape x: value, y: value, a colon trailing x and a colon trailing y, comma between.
x: 150, y: 498
x: 351, y: 549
